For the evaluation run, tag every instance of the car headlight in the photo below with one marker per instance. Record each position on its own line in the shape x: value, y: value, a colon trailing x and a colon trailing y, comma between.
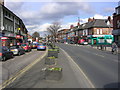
x: 16, y: 50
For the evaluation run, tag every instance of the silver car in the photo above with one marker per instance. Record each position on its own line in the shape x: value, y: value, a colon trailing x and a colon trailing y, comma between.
x: 17, y: 50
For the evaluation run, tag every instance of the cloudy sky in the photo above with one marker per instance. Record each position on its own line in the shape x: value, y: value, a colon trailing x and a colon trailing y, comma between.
x: 37, y: 15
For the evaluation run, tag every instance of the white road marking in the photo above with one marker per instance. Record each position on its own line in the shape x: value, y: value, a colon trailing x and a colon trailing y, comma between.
x: 104, y: 56
x: 78, y: 68
x: 98, y: 55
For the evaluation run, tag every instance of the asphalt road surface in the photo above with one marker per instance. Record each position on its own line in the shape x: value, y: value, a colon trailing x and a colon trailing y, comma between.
x: 12, y: 66
x: 99, y: 70
x: 101, y: 67
x: 35, y: 77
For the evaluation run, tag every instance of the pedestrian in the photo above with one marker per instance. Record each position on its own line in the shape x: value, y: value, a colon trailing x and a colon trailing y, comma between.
x: 114, y: 48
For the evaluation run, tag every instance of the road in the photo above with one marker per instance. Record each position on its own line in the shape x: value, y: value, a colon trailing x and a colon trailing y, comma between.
x: 83, y: 67
x: 34, y: 78
x: 101, y: 67
x: 14, y: 65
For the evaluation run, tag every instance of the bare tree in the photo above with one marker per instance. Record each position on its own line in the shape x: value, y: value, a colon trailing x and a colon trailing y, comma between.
x: 53, y: 29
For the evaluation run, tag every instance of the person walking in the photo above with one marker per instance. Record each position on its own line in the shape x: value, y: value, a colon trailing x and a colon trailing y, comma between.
x: 114, y: 48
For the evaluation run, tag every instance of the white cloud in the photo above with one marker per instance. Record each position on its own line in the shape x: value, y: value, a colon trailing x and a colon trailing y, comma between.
x: 49, y: 12
x: 98, y: 16
x: 38, y: 28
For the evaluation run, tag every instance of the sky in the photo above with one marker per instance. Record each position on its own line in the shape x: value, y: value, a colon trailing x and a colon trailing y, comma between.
x: 37, y: 15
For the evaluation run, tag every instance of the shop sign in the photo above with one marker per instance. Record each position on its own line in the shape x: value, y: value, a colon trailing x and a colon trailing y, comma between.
x: 18, y: 36
x: 69, y: 38
x: 98, y: 35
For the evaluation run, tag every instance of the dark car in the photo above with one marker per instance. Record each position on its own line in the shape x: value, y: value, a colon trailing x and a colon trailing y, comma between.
x: 17, y: 50
x: 26, y: 46
x: 6, y: 53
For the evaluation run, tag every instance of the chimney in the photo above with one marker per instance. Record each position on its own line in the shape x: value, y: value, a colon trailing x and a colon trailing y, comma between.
x: 89, y: 19
x: 2, y: 2
x: 78, y: 24
x: 71, y: 26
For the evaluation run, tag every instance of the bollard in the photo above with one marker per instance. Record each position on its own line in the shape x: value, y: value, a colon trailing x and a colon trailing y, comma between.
x: 53, y: 52
x: 50, y: 60
x: 53, y: 73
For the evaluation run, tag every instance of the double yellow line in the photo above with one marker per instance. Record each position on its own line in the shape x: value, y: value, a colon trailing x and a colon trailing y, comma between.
x: 21, y: 72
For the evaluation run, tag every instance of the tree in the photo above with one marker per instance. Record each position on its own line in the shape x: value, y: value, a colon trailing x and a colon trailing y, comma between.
x: 53, y: 29
x: 35, y: 34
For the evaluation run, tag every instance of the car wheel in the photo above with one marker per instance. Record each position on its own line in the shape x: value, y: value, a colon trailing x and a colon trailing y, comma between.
x: 4, y: 58
x: 12, y: 55
x: 19, y: 53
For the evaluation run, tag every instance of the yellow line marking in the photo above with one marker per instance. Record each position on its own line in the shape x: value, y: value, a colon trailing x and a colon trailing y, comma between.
x: 79, y: 69
x: 21, y: 72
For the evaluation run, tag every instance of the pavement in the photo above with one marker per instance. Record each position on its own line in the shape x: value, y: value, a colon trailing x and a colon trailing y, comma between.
x: 101, y: 67
x: 11, y: 67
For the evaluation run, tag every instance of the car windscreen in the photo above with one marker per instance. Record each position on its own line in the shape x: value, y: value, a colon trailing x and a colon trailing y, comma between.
x: 14, y: 47
x: 34, y: 44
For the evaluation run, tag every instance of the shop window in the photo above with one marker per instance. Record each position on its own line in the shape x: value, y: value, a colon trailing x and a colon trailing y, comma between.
x: 9, y: 28
x: 109, y: 41
x: 9, y: 15
x: 97, y: 31
x: 6, y: 13
x: 119, y: 40
x: 5, y: 26
x: 101, y: 31
x: 101, y: 40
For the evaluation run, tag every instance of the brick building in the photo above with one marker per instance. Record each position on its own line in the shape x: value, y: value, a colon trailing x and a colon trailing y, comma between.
x: 116, y: 24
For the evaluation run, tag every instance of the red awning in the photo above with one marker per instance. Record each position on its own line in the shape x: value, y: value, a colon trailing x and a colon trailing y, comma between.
x: 18, y: 36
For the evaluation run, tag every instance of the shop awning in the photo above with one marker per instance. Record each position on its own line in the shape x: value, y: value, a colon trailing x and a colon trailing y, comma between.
x: 4, y: 38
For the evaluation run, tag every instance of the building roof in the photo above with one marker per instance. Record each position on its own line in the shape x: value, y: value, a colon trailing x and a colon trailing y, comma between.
x: 96, y: 23
x: 101, y: 23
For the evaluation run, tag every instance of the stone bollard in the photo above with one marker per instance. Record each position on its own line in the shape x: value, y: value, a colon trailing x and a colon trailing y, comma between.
x: 56, y: 48
x: 50, y: 60
x: 53, y: 74
x: 53, y: 53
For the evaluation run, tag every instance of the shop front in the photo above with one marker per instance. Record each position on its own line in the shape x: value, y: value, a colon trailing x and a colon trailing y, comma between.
x: 19, y: 39
x: 8, y: 38
x: 100, y: 39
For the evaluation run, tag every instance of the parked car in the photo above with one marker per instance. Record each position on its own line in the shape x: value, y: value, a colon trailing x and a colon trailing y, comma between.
x: 85, y: 43
x: 26, y: 47
x: 41, y: 47
x: 34, y: 45
x: 17, y: 50
x: 6, y: 53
